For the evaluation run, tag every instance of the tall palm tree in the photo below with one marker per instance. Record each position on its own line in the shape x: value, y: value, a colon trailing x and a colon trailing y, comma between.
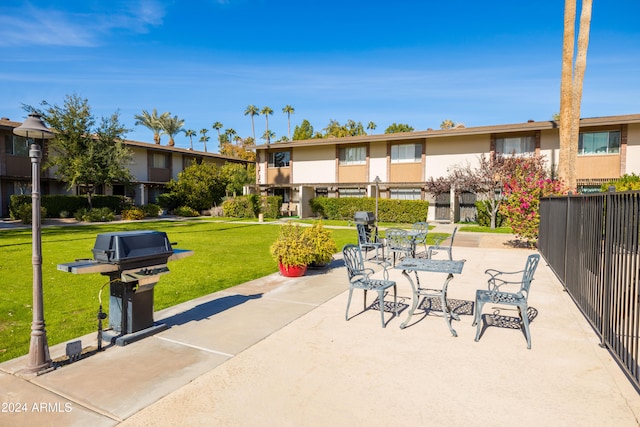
x: 152, y: 122
x: 171, y: 126
x: 571, y: 87
x: 288, y: 110
x: 217, y: 126
x: 204, y: 138
x: 371, y: 126
x: 229, y: 133
x: 190, y: 133
x: 266, y: 111
x: 252, y: 111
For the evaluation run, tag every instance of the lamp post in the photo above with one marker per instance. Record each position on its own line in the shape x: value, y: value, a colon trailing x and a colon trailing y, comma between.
x: 39, y: 358
x: 377, y: 181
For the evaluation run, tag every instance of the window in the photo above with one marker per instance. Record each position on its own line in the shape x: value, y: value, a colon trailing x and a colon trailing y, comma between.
x: 160, y: 161
x: 353, y: 155
x: 352, y: 192
x: 516, y: 145
x: 405, y: 194
x: 15, y: 145
x: 406, y: 153
x: 606, y: 142
x: 279, y: 159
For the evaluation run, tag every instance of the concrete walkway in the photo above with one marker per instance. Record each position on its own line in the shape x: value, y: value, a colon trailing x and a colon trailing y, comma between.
x: 278, y: 352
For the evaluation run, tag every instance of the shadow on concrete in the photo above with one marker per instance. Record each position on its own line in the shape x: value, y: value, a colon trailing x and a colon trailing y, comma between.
x: 208, y: 309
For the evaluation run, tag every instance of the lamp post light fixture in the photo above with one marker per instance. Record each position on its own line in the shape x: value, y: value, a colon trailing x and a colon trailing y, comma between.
x: 33, y: 128
x: 377, y: 181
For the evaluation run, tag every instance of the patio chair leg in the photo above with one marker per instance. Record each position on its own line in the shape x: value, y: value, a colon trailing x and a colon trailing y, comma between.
x: 365, y: 300
x: 477, y: 321
x: 522, y: 309
x: 381, y: 302
x: 346, y: 316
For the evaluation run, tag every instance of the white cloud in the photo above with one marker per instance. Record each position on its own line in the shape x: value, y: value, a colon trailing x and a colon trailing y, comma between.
x: 30, y: 25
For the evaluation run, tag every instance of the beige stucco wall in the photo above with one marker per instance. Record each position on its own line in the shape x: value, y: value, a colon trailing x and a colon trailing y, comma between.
x: 138, y: 165
x: 378, y: 161
x: 314, y: 164
x: 443, y: 153
x: 633, y: 149
x: 549, y: 147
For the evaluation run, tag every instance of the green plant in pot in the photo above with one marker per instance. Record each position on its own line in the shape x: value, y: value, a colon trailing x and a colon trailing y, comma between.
x: 323, y: 244
x: 292, y: 250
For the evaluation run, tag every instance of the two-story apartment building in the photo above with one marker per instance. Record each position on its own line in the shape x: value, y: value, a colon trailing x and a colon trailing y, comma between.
x: 348, y: 167
x: 152, y: 166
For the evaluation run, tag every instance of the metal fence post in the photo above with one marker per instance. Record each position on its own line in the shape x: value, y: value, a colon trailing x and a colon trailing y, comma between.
x: 608, y: 252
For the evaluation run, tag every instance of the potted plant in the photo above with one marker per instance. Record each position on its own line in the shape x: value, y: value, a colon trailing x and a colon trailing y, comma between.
x: 323, y: 245
x: 292, y: 250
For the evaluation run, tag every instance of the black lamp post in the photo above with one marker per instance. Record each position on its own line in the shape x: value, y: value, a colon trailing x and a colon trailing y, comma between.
x: 33, y: 128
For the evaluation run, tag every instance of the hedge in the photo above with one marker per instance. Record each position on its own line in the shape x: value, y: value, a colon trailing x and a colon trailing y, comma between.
x: 389, y: 210
x: 56, y: 203
x: 252, y: 205
x: 484, y: 215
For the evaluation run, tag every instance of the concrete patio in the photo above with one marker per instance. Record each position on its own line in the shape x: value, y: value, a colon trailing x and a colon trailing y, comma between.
x: 278, y: 352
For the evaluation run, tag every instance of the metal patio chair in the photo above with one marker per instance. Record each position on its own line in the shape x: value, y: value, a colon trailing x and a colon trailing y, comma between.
x: 495, y: 295
x: 360, y: 278
x: 420, y: 230
x: 368, y: 240
x: 440, y: 247
x: 399, y: 243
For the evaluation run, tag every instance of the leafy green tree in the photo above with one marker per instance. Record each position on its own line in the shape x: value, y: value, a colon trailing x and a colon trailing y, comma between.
x: 190, y: 133
x: 252, y: 111
x: 172, y: 126
x: 288, y: 110
x: 152, y: 122
x: 199, y: 186
x: 266, y: 112
x: 398, y: 127
x: 236, y: 176
x: 335, y: 129
x: 84, y: 154
x: 304, y: 131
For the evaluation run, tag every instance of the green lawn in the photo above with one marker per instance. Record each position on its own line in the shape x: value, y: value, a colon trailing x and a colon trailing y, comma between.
x: 226, y: 254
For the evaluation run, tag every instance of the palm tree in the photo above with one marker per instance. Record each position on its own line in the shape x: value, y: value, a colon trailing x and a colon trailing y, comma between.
x: 217, y: 126
x: 190, y: 133
x: 204, y: 138
x: 267, y: 135
x: 229, y: 133
x: 371, y: 126
x: 571, y: 87
x: 266, y: 111
x: 252, y: 110
x: 152, y: 122
x: 171, y: 126
x: 288, y: 110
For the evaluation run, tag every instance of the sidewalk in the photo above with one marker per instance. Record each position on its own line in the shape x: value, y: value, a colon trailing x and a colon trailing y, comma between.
x: 278, y: 351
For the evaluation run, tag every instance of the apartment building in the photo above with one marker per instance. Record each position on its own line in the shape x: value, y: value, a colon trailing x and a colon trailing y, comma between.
x: 152, y: 166
x: 609, y: 147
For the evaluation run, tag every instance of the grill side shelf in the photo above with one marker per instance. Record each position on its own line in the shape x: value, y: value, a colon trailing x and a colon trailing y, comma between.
x: 87, y: 266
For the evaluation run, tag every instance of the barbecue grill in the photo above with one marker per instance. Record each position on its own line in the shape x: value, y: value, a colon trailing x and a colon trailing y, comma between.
x: 134, y: 261
x: 366, y: 218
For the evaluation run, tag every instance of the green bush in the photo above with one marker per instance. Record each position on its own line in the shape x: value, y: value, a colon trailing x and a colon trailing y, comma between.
x: 58, y: 203
x: 187, y: 211
x: 252, y: 205
x: 169, y: 201
x: 484, y: 215
x: 270, y: 206
x: 389, y: 210
x: 625, y: 183
x: 151, y: 210
x: 132, y: 213
x: 94, y: 215
x: 26, y: 213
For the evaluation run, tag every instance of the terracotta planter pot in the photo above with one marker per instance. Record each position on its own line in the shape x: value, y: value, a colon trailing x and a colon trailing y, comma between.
x: 292, y: 270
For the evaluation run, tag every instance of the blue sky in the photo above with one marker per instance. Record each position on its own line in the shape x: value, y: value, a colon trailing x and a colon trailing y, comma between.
x: 416, y: 62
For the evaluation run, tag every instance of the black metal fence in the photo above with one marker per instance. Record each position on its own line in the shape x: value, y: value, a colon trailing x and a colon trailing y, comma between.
x: 591, y: 242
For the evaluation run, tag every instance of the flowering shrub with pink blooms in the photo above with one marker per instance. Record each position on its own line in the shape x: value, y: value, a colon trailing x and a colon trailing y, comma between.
x: 525, y: 183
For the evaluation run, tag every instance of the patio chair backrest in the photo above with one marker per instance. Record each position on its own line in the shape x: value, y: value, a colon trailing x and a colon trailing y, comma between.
x: 353, y: 260
x: 421, y: 227
x: 529, y: 270
x: 398, y: 240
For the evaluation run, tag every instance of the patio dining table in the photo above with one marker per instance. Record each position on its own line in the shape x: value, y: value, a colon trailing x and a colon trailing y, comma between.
x: 421, y: 265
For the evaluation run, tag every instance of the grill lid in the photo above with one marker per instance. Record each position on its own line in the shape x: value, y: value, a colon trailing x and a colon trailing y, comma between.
x: 128, y: 246
x: 363, y: 217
